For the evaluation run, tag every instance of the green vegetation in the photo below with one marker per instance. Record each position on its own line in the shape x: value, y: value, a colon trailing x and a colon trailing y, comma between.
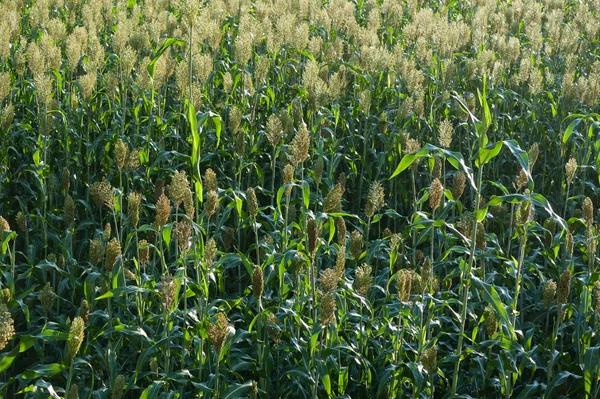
x: 299, y: 198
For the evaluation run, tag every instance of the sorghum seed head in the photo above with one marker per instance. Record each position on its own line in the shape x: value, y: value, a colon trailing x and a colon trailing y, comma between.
x: 47, y: 298
x: 342, y: 180
x: 258, y: 282
x: 66, y: 179
x: 340, y: 263
x: 177, y: 188
x: 113, y: 252
x: 274, y: 130
x: 356, y: 244
x: 328, y: 280
x: 133, y: 159
x: 300, y: 145
x: 217, y: 332
x: 491, y: 322
x: 69, y: 209
x: 210, y: 251
x: 121, y: 151
x: 288, y: 177
x: 167, y: 293
x: 521, y: 179
x: 76, y: 335
x: 6, y: 296
x: 313, y: 236
x: 569, y: 244
x: 570, y: 169
x: 96, y: 251
x: 564, y: 289
x: 318, y: 169
x: 588, y: 211
x: 210, y: 180
x: 524, y: 212
x: 403, y: 284
x: 188, y: 204
x: 252, y: 202
x: 103, y: 193
x: 163, y: 211
x: 458, y: 185
x: 480, y: 241
x: 21, y: 220
x: 143, y: 252
x: 84, y: 311
x: 427, y: 274
x: 107, y: 231
x: 275, y: 332
x: 548, y: 293
x: 7, y: 329
x: 446, y: 131
x: 328, y: 307
x: 134, y: 201
x: 4, y: 224
x: 118, y: 387
x: 429, y: 359
x: 435, y: 194
x: 534, y: 152
x: 182, y: 233
x: 73, y: 392
x: 375, y: 199
x: 212, y: 200
x: 333, y: 201
x: 363, y: 280
x: 437, y: 167
x: 340, y: 228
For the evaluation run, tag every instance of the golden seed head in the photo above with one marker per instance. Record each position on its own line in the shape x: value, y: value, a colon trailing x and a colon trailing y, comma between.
x: 107, y: 231
x: 103, y: 193
x: 458, y: 184
x: 133, y: 159
x: 524, y: 212
x: 212, y: 201
x: 134, y: 201
x: 274, y: 130
x: 570, y: 169
x: 288, y: 177
x: 521, y: 179
x: 96, y: 251
x: 66, y: 179
x: 333, y: 201
x: 480, y: 241
x: 121, y: 151
x: 7, y: 329
x: 491, y: 322
x: 118, y: 387
x: 313, y: 236
x: 340, y: 263
x: 340, y: 228
x: 188, y: 204
x: 564, y: 288
x: 404, y: 283
x: 363, y: 280
x: 163, y: 211
x: 6, y: 295
x: 76, y: 335
x: 217, y: 332
x: 328, y: 307
x: 113, y: 252
x: 328, y: 280
x: 356, y: 244
x: 168, y: 287
x: 84, y: 311
x: 4, y: 224
x: 179, y: 185
x: 446, y: 131
x: 210, y: 180
x: 395, y: 241
x: 143, y: 252
x: 252, y: 202
x: 435, y: 194
x: 318, y: 169
x: 73, y: 392
x: 300, y: 145
x: 210, y: 251
x: 588, y: 211
x: 69, y: 209
x: 375, y: 199
x: 235, y: 119
x: 274, y: 330
x: 548, y: 292
x: 569, y: 244
x: 534, y: 153
x: 258, y: 281
x: 182, y: 233
x: 429, y: 359
x: 47, y: 298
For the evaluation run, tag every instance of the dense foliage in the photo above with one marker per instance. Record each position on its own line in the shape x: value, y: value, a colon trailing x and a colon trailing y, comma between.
x: 303, y: 198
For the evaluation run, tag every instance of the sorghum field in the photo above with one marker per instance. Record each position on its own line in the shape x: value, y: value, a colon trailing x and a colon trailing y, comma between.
x: 299, y: 198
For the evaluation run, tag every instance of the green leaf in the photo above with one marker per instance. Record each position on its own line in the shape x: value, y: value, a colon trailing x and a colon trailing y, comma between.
x: 570, y: 130
x: 521, y: 156
x: 306, y: 194
x: 490, y: 295
x: 237, y: 390
x: 153, y: 390
x: 216, y: 119
x: 168, y: 43
x: 487, y: 153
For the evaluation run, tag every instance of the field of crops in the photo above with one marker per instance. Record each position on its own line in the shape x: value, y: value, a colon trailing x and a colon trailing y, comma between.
x: 299, y: 198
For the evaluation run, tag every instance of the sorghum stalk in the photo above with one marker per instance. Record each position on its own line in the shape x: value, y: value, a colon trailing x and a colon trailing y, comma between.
x: 519, y: 277
x: 466, y: 282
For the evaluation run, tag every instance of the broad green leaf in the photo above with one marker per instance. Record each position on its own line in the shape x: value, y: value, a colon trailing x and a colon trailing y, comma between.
x: 491, y: 296
x: 236, y: 390
x: 487, y: 153
x: 168, y: 43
